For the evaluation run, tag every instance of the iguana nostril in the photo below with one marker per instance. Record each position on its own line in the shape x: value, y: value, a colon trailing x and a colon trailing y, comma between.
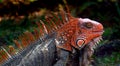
x: 100, y: 27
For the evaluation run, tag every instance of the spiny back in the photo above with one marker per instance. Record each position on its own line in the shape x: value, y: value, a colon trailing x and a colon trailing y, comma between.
x: 52, y: 23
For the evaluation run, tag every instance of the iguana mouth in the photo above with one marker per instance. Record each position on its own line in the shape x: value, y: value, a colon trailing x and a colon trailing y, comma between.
x: 96, y: 41
x: 101, y: 31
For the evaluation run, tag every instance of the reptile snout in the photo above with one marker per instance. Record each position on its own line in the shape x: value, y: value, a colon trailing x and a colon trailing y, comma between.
x: 98, y: 28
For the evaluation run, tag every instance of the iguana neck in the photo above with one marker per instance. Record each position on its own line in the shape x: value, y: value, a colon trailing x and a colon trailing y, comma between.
x: 66, y: 33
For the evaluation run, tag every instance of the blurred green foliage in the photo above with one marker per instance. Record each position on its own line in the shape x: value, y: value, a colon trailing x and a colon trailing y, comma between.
x: 0, y: 0
x: 10, y: 29
x: 111, y: 60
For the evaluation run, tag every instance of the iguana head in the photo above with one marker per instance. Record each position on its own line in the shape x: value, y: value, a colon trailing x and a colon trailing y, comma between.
x: 78, y: 32
x: 89, y: 31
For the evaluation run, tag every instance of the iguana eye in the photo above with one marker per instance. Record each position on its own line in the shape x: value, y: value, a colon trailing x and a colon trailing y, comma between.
x: 88, y: 25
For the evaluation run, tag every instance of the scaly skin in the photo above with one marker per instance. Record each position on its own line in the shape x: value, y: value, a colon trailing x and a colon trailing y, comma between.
x: 77, y: 32
x: 73, y: 35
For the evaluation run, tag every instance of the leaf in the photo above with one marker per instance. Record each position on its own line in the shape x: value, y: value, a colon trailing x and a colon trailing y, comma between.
x: 1, y: 1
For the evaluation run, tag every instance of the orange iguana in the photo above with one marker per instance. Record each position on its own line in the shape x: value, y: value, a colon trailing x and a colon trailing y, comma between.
x: 58, y: 41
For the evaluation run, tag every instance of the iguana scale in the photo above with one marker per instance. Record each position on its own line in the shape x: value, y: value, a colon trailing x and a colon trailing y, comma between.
x: 55, y: 42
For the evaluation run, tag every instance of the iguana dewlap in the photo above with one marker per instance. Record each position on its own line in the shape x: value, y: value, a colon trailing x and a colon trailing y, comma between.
x: 78, y: 32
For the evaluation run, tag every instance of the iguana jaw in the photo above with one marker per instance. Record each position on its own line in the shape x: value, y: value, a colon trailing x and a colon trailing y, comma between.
x: 82, y: 42
x: 97, y: 40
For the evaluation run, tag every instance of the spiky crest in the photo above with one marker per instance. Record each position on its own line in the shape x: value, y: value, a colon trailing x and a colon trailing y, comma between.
x: 47, y: 26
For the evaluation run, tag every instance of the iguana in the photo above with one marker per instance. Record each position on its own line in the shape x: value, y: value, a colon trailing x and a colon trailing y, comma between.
x: 59, y: 40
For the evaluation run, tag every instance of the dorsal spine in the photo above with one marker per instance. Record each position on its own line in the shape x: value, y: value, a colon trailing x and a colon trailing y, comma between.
x: 47, y: 26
